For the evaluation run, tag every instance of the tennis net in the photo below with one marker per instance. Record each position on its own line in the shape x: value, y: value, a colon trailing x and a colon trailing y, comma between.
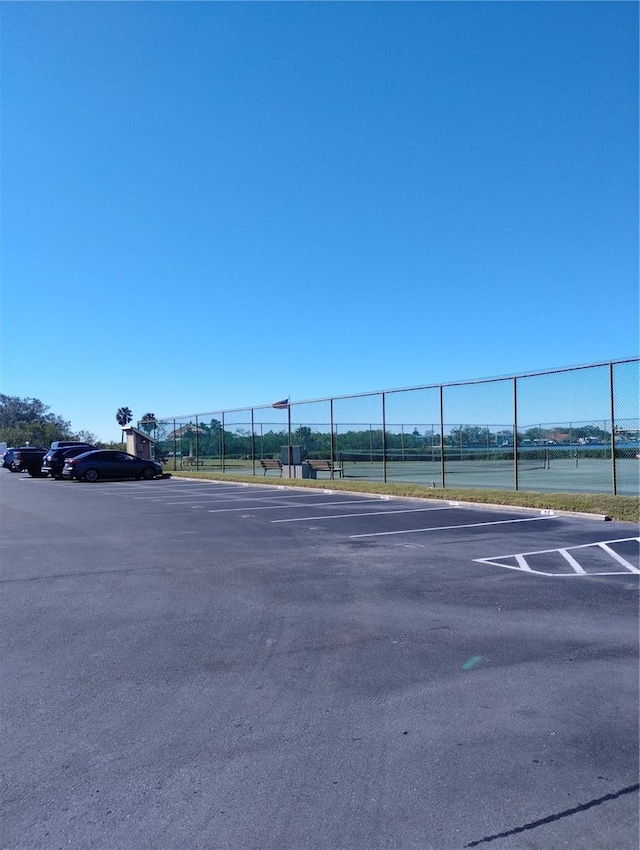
x: 480, y: 461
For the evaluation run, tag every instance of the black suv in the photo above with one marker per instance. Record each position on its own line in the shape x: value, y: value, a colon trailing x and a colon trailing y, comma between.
x: 53, y: 461
x: 68, y: 444
x: 28, y: 459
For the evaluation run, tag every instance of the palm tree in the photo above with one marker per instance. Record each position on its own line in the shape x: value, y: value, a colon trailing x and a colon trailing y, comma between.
x: 148, y: 422
x: 124, y: 416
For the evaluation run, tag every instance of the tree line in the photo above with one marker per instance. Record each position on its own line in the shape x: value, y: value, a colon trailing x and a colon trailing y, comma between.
x: 28, y: 421
x: 211, y: 440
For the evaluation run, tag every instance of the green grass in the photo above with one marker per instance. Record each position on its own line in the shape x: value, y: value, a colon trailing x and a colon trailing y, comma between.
x: 621, y: 508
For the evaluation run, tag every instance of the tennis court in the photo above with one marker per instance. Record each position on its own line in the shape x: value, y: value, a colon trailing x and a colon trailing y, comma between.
x: 565, y: 425
x: 564, y: 474
x: 542, y: 474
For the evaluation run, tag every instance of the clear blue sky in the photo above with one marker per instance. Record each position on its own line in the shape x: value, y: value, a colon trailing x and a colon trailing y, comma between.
x: 211, y: 205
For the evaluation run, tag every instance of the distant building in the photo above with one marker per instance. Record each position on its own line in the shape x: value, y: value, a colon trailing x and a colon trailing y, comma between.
x: 185, y: 431
x: 559, y: 437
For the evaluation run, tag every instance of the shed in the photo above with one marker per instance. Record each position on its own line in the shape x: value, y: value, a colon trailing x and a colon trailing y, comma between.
x: 138, y: 443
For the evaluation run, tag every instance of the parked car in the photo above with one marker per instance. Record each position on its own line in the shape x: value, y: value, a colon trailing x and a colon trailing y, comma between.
x: 54, y: 460
x: 7, y: 458
x: 109, y: 463
x: 28, y: 459
x: 67, y: 444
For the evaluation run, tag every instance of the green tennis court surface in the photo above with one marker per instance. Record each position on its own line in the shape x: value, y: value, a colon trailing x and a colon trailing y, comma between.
x: 557, y: 475
x: 589, y: 475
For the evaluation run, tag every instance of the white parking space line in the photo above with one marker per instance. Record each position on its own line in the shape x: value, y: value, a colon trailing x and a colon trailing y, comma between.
x: 571, y: 560
x: 223, y: 491
x: 116, y: 486
x: 451, y: 527
x: 136, y: 486
x: 171, y: 490
x: 368, y: 513
x: 229, y: 498
x: 281, y: 507
x: 102, y: 489
x: 182, y: 492
x: 617, y: 557
x: 523, y: 564
x: 577, y: 569
x: 158, y: 486
x: 229, y: 487
x: 190, y: 493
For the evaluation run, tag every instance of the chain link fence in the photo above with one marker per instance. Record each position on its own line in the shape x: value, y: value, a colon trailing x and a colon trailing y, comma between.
x: 567, y: 430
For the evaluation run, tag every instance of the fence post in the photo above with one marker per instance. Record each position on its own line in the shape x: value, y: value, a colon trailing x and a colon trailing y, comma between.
x: 174, y: 446
x: 332, y: 448
x: 515, y: 432
x: 197, y: 444
x: 253, y: 445
x: 289, y: 452
x: 441, y: 438
x: 222, y: 443
x: 384, y: 442
x: 613, y: 433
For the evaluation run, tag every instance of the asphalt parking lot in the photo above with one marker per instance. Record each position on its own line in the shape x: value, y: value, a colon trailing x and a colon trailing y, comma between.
x: 223, y: 666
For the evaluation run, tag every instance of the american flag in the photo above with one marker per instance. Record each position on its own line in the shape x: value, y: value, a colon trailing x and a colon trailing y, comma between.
x: 281, y: 405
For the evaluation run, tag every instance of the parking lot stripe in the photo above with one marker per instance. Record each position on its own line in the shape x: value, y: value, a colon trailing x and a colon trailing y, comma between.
x: 221, y: 494
x: 571, y: 560
x: 228, y: 498
x: 451, y: 527
x: 619, y: 558
x: 369, y: 513
x: 521, y: 559
x: 276, y: 507
x: 522, y: 563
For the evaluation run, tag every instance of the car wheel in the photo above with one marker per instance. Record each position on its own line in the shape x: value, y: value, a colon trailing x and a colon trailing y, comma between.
x: 91, y: 475
x: 148, y: 473
x: 34, y: 473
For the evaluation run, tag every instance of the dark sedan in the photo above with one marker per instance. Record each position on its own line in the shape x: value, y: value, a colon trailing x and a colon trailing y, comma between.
x: 107, y: 463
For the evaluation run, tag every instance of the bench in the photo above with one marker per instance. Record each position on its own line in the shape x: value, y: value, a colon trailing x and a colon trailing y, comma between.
x: 329, y: 466
x: 268, y: 463
x: 188, y: 461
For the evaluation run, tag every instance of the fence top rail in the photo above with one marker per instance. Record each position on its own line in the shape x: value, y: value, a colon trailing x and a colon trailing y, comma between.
x: 437, y: 386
